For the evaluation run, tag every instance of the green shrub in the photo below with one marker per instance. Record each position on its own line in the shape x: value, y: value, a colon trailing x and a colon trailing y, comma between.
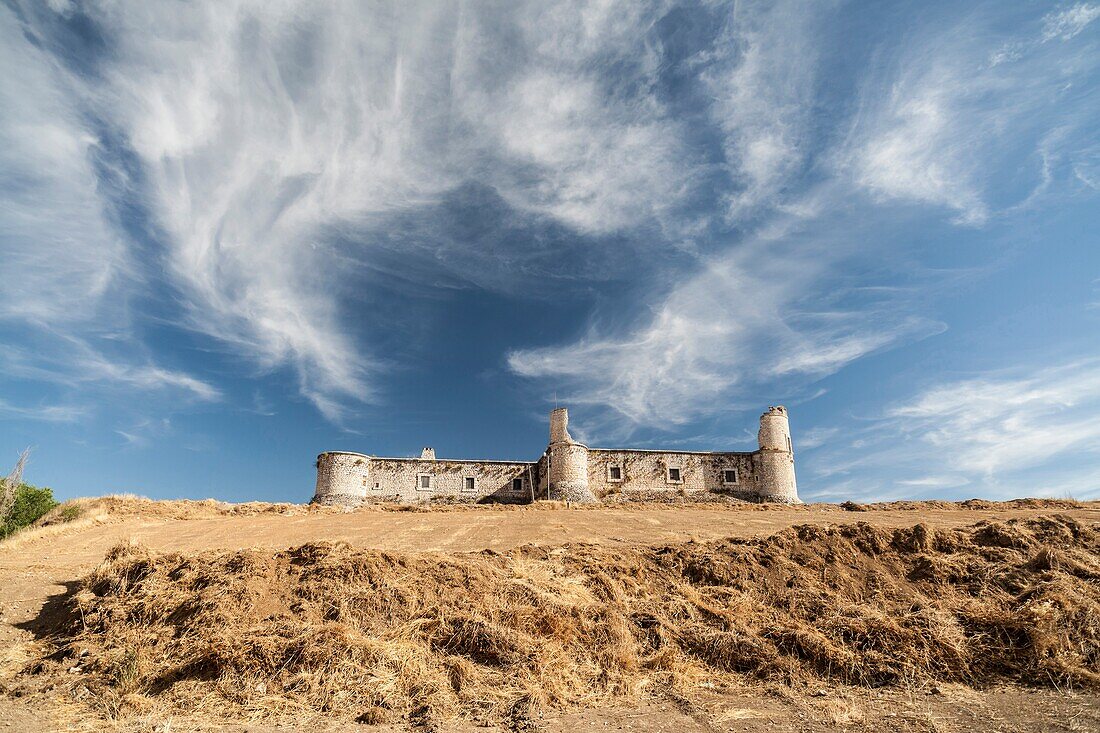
x: 69, y: 512
x: 30, y: 503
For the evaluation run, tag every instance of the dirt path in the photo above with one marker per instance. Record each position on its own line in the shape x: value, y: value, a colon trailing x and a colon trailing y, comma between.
x: 34, y: 569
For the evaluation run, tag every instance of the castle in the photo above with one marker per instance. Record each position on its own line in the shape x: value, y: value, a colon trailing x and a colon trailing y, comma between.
x: 569, y: 471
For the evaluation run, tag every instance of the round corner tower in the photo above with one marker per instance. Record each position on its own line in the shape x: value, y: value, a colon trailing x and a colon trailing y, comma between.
x: 568, y: 462
x: 341, y: 478
x: 775, y: 459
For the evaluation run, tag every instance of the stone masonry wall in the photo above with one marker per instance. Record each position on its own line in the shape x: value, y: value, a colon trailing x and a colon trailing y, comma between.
x: 776, y: 472
x: 344, y: 476
x: 341, y: 478
x: 569, y: 471
x: 645, y: 473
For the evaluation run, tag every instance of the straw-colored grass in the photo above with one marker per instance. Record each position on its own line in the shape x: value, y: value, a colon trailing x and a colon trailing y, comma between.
x: 381, y: 636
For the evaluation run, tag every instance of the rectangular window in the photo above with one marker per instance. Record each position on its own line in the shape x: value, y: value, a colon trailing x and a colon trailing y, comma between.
x: 674, y: 475
x: 614, y: 473
x: 729, y: 476
x: 423, y: 482
x: 469, y: 483
x: 517, y: 484
x: 377, y: 486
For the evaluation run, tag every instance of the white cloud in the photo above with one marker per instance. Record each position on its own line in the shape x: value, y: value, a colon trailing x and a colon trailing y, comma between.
x: 763, y: 98
x: 1020, y: 432
x: 958, y: 103
x: 602, y: 168
x: 141, y: 434
x: 920, y: 153
x: 1065, y: 24
x: 993, y: 425
x: 934, y: 482
x: 816, y: 437
x: 70, y: 362
x: 62, y: 7
x: 740, y: 323
x: 931, y: 129
x: 59, y: 254
x: 43, y: 413
x: 150, y: 378
x: 66, y: 269
x: 262, y: 127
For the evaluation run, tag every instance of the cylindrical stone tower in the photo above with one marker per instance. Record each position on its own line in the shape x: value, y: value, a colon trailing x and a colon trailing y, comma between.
x: 775, y: 459
x: 568, y: 462
x: 341, y: 478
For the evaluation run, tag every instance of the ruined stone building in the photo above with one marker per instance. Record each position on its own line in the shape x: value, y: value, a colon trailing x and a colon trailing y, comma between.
x: 569, y: 470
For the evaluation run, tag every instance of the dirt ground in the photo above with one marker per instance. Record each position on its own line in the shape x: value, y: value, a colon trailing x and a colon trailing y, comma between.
x: 45, y: 563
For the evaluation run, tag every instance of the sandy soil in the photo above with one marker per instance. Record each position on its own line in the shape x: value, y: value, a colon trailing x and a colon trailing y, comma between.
x: 44, y: 564
x: 751, y: 710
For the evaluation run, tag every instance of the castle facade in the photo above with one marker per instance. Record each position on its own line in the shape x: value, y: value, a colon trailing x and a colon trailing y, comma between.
x: 569, y: 471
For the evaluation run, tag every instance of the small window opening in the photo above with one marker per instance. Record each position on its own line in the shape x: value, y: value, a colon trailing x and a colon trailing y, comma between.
x: 424, y: 481
x: 469, y: 483
x: 674, y: 475
x: 517, y: 484
x: 614, y: 473
x: 789, y: 448
x: 729, y: 476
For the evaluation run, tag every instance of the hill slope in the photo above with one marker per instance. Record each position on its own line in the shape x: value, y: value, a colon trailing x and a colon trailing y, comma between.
x: 379, y: 630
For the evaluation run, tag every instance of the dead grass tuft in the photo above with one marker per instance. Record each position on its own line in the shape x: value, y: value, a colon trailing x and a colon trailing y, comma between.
x: 382, y: 637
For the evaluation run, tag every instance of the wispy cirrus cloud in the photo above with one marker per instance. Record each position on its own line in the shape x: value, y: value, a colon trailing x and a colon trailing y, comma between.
x: 147, y: 377
x: 42, y: 413
x: 762, y: 99
x: 747, y: 319
x: 70, y: 363
x: 1010, y: 433
x: 960, y: 104
x: 1067, y: 23
x: 279, y: 149
x: 67, y: 268
x: 263, y: 128
x: 937, y: 126
x: 993, y: 425
x: 60, y: 253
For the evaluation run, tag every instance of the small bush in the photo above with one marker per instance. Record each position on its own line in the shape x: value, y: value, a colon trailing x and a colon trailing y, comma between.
x: 69, y: 512
x: 30, y: 503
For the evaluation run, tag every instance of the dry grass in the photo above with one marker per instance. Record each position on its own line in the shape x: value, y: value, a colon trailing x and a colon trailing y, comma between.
x: 111, y: 506
x: 326, y: 629
x: 79, y: 514
x: 124, y: 505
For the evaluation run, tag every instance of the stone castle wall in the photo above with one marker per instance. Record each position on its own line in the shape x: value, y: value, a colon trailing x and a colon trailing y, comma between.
x: 349, y: 478
x: 644, y: 474
x: 775, y: 460
x: 570, y: 471
x: 341, y: 478
x: 776, y: 480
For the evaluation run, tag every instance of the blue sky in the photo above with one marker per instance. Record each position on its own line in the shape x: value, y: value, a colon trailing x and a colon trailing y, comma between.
x: 235, y: 234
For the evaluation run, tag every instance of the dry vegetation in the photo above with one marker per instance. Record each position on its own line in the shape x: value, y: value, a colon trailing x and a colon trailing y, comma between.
x: 424, y: 637
x: 112, y: 507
